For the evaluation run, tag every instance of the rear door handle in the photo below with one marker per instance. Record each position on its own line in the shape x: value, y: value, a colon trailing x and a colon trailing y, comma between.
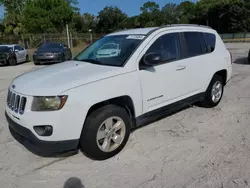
x: 180, y: 67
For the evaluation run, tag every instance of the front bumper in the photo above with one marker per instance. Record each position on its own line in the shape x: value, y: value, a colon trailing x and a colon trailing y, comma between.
x: 3, y: 62
x: 47, y: 59
x: 42, y: 145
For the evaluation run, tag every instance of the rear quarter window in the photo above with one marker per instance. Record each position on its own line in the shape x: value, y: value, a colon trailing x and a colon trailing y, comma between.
x: 210, y: 40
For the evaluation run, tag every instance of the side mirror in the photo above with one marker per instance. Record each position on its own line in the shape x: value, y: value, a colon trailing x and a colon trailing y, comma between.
x: 152, y: 59
x: 16, y: 50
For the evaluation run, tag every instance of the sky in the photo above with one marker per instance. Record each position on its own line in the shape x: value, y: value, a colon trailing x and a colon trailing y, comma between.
x: 1, y: 12
x: 130, y: 7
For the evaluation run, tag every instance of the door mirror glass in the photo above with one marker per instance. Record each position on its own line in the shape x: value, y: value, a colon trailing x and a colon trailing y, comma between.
x: 16, y: 50
x: 152, y: 59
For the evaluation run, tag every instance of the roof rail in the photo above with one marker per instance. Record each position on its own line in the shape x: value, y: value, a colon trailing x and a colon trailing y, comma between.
x: 193, y: 25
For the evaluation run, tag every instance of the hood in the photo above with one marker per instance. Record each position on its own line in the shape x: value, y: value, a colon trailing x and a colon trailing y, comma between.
x: 48, y: 50
x: 54, y: 79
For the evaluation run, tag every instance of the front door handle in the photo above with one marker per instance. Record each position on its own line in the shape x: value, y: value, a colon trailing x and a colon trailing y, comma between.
x: 181, y: 67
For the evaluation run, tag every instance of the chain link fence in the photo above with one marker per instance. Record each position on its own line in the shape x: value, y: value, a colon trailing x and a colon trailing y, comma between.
x: 76, y: 41
x: 236, y: 37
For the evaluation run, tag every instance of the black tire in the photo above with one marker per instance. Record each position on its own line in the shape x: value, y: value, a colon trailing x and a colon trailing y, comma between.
x: 62, y: 58
x: 27, y: 59
x: 12, y: 62
x: 208, y: 101
x: 88, y: 140
x: 36, y: 63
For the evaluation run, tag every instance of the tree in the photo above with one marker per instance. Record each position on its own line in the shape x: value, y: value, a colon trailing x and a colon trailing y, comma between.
x: 186, y: 9
x: 224, y: 16
x: 14, y: 15
x: 110, y: 19
x: 149, y: 7
x: 131, y: 22
x: 1, y: 27
x: 150, y: 15
x: 89, y: 21
x: 171, y: 14
x: 47, y: 16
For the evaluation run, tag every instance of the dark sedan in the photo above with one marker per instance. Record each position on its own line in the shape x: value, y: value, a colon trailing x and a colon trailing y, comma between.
x: 52, y: 53
x: 7, y: 56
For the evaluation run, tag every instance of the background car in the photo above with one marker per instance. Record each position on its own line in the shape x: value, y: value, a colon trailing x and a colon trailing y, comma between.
x: 21, y: 54
x: 7, y: 56
x: 52, y: 53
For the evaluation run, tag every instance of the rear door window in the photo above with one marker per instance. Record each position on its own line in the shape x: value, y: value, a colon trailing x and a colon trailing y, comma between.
x: 193, y: 44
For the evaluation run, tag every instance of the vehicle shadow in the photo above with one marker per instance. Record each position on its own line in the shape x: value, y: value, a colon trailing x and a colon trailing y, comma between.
x: 37, y: 151
x: 147, y: 121
x: 242, y: 61
x: 16, y: 64
x: 73, y: 182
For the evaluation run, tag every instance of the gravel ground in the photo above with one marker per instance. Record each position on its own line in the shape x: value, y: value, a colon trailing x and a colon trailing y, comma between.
x: 194, y: 148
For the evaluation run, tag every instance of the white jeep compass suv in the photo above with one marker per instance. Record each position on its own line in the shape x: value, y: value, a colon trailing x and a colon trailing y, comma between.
x: 93, y: 102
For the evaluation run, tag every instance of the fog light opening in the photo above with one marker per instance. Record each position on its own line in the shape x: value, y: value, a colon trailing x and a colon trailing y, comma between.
x: 44, y: 130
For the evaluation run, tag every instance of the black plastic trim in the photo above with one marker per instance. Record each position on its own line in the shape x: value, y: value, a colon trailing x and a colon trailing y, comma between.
x: 167, y: 110
x: 48, y: 146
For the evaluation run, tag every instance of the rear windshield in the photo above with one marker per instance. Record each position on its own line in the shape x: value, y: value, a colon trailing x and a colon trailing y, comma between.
x: 4, y: 49
x: 51, y: 45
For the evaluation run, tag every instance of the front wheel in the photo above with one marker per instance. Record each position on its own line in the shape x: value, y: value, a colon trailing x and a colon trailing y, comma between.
x: 12, y: 62
x: 105, y: 132
x: 214, y: 92
x: 62, y: 58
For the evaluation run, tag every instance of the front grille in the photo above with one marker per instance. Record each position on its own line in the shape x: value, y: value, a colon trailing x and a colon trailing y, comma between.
x: 16, y: 102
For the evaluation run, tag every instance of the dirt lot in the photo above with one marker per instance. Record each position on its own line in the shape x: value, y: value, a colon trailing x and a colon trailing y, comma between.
x: 195, y: 148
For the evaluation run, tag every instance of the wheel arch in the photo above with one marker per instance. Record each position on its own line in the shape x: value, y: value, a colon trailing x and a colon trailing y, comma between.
x: 124, y: 101
x: 222, y: 73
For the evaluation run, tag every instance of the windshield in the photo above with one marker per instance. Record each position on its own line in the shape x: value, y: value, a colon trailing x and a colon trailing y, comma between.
x: 109, y: 46
x: 4, y: 49
x: 118, y: 48
x: 51, y: 45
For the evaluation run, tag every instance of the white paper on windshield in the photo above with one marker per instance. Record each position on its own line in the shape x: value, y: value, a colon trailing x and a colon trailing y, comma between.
x: 138, y: 37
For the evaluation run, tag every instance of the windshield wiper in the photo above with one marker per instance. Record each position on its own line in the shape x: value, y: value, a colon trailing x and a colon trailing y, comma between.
x: 94, y: 61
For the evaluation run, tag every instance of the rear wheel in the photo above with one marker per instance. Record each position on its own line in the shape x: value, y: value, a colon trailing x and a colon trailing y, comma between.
x: 106, y: 132
x: 27, y: 59
x: 214, y: 92
x: 62, y: 58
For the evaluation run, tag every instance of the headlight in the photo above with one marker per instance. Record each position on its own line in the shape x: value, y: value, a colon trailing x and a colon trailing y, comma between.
x: 50, y: 103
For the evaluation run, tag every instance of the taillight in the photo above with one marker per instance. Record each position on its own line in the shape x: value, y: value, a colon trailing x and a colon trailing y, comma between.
x: 231, y: 57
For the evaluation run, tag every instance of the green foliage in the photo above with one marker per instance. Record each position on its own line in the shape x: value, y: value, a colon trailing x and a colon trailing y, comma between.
x: 39, y: 16
x: 110, y: 19
x: 47, y: 16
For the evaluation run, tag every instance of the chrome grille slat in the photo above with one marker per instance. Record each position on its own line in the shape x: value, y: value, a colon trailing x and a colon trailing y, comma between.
x: 16, y: 102
x: 13, y: 101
